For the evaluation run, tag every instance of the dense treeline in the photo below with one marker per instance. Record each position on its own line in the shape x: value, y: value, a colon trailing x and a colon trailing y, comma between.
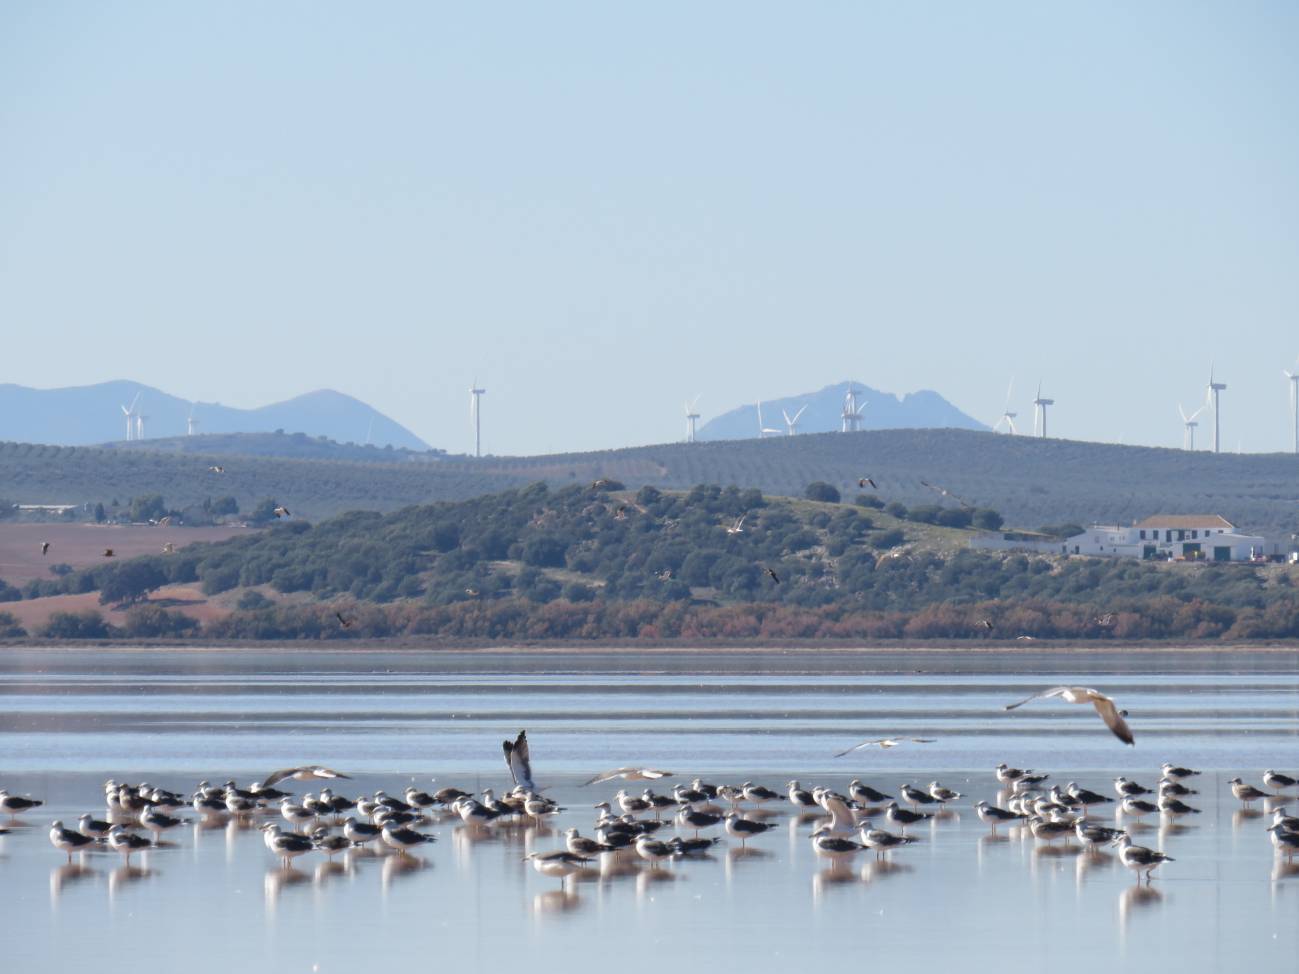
x: 596, y: 562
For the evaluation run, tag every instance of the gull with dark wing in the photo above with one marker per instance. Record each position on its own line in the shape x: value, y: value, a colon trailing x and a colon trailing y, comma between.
x: 1106, y: 707
x: 1129, y: 789
x: 126, y: 842
x: 884, y: 743
x: 1278, y: 781
x: 1140, y: 859
x: 1287, y: 843
x: 1174, y: 772
x: 14, y: 805
x: 312, y: 772
x: 994, y: 815
x: 883, y: 841
x: 65, y: 840
x: 746, y: 828
x: 519, y: 761
x: 628, y: 774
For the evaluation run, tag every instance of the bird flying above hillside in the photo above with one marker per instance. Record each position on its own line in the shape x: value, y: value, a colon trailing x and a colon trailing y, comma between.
x: 345, y: 623
x: 867, y: 480
x: 946, y: 493
x: 282, y: 511
x: 108, y: 552
x: 772, y: 572
x: 738, y: 526
x: 216, y: 469
x: 1106, y: 707
x: 45, y: 547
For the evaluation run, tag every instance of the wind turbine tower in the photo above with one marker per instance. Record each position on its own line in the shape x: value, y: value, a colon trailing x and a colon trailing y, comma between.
x: 475, y: 413
x: 1214, y: 389
x: 1039, y: 412
x: 1294, y: 405
x: 692, y: 417
x: 190, y: 422
x: 851, y: 412
x: 791, y: 424
x: 139, y: 425
x: 130, y: 414
x: 1188, y: 426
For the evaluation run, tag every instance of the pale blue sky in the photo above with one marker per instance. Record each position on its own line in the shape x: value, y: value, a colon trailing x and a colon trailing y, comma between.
x: 598, y: 209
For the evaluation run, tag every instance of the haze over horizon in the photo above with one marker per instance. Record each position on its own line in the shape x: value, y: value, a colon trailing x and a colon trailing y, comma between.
x: 598, y: 213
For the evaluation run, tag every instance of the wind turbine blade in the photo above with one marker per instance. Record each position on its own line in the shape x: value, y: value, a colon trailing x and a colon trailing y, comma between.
x: 1009, y: 389
x: 1182, y: 412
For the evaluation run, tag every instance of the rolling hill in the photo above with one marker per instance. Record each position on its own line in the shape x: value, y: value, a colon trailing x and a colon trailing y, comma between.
x: 82, y: 415
x: 1032, y: 482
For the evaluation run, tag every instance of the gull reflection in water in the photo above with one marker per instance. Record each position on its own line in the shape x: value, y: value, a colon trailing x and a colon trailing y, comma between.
x: 279, y: 879
x: 833, y: 877
x: 556, y: 901
x: 1091, y: 861
x: 649, y: 879
x: 400, y: 865
x: 327, y: 870
x: 61, y: 877
x: 737, y: 854
x: 123, y: 876
x: 1243, y: 815
x: 882, y: 869
x: 1134, y: 899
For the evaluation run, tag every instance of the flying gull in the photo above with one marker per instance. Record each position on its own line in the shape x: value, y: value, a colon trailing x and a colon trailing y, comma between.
x: 1109, y: 713
x: 628, y: 774
x: 885, y: 743
x: 313, y: 772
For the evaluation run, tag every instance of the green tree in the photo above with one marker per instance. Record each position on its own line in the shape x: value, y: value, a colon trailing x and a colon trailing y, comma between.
x: 153, y: 621
x: 819, y: 490
x: 150, y: 507
x: 228, y: 505
x: 988, y: 520
x: 132, y: 581
x: 88, y: 624
x: 100, y: 516
x: 10, y: 627
x: 264, y: 512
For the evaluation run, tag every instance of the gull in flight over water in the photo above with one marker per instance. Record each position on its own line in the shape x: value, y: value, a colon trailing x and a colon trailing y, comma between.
x: 519, y: 761
x: 628, y: 774
x: 313, y: 772
x: 1110, y: 713
x: 884, y: 743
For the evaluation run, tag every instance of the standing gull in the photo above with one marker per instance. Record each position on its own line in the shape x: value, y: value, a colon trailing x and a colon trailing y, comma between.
x: 1109, y: 713
x: 560, y: 864
x: 1277, y: 781
x: 14, y: 805
x: 745, y: 828
x: 1140, y: 859
x: 1246, y: 793
x: 65, y: 840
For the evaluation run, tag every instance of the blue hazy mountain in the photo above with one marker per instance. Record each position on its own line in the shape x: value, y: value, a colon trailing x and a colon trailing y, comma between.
x: 80, y: 415
x: 925, y: 409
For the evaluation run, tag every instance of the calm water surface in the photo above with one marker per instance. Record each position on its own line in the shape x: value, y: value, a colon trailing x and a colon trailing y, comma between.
x: 216, y: 898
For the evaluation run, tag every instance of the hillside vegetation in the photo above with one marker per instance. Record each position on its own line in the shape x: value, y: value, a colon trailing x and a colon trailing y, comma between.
x: 1032, y: 482
x: 594, y: 562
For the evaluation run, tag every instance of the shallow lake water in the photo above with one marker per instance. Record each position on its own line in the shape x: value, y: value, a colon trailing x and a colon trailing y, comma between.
x: 215, y: 898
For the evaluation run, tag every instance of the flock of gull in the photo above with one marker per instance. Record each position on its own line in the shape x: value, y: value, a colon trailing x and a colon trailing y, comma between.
x: 668, y: 825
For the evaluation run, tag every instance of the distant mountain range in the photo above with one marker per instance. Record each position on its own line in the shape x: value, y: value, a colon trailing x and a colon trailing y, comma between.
x: 823, y: 413
x: 81, y: 415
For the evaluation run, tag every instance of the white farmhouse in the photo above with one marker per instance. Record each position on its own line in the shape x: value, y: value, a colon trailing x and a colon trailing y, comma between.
x: 1183, y: 537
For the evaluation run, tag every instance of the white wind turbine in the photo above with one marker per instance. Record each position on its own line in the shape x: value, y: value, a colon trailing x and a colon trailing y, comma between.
x: 1294, y: 403
x: 129, y: 413
x: 851, y: 412
x: 1007, y: 416
x: 139, y: 425
x: 692, y: 417
x: 791, y: 425
x: 190, y: 421
x: 765, y: 431
x: 1214, y: 389
x: 475, y: 414
x: 1039, y: 412
x: 1188, y: 426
